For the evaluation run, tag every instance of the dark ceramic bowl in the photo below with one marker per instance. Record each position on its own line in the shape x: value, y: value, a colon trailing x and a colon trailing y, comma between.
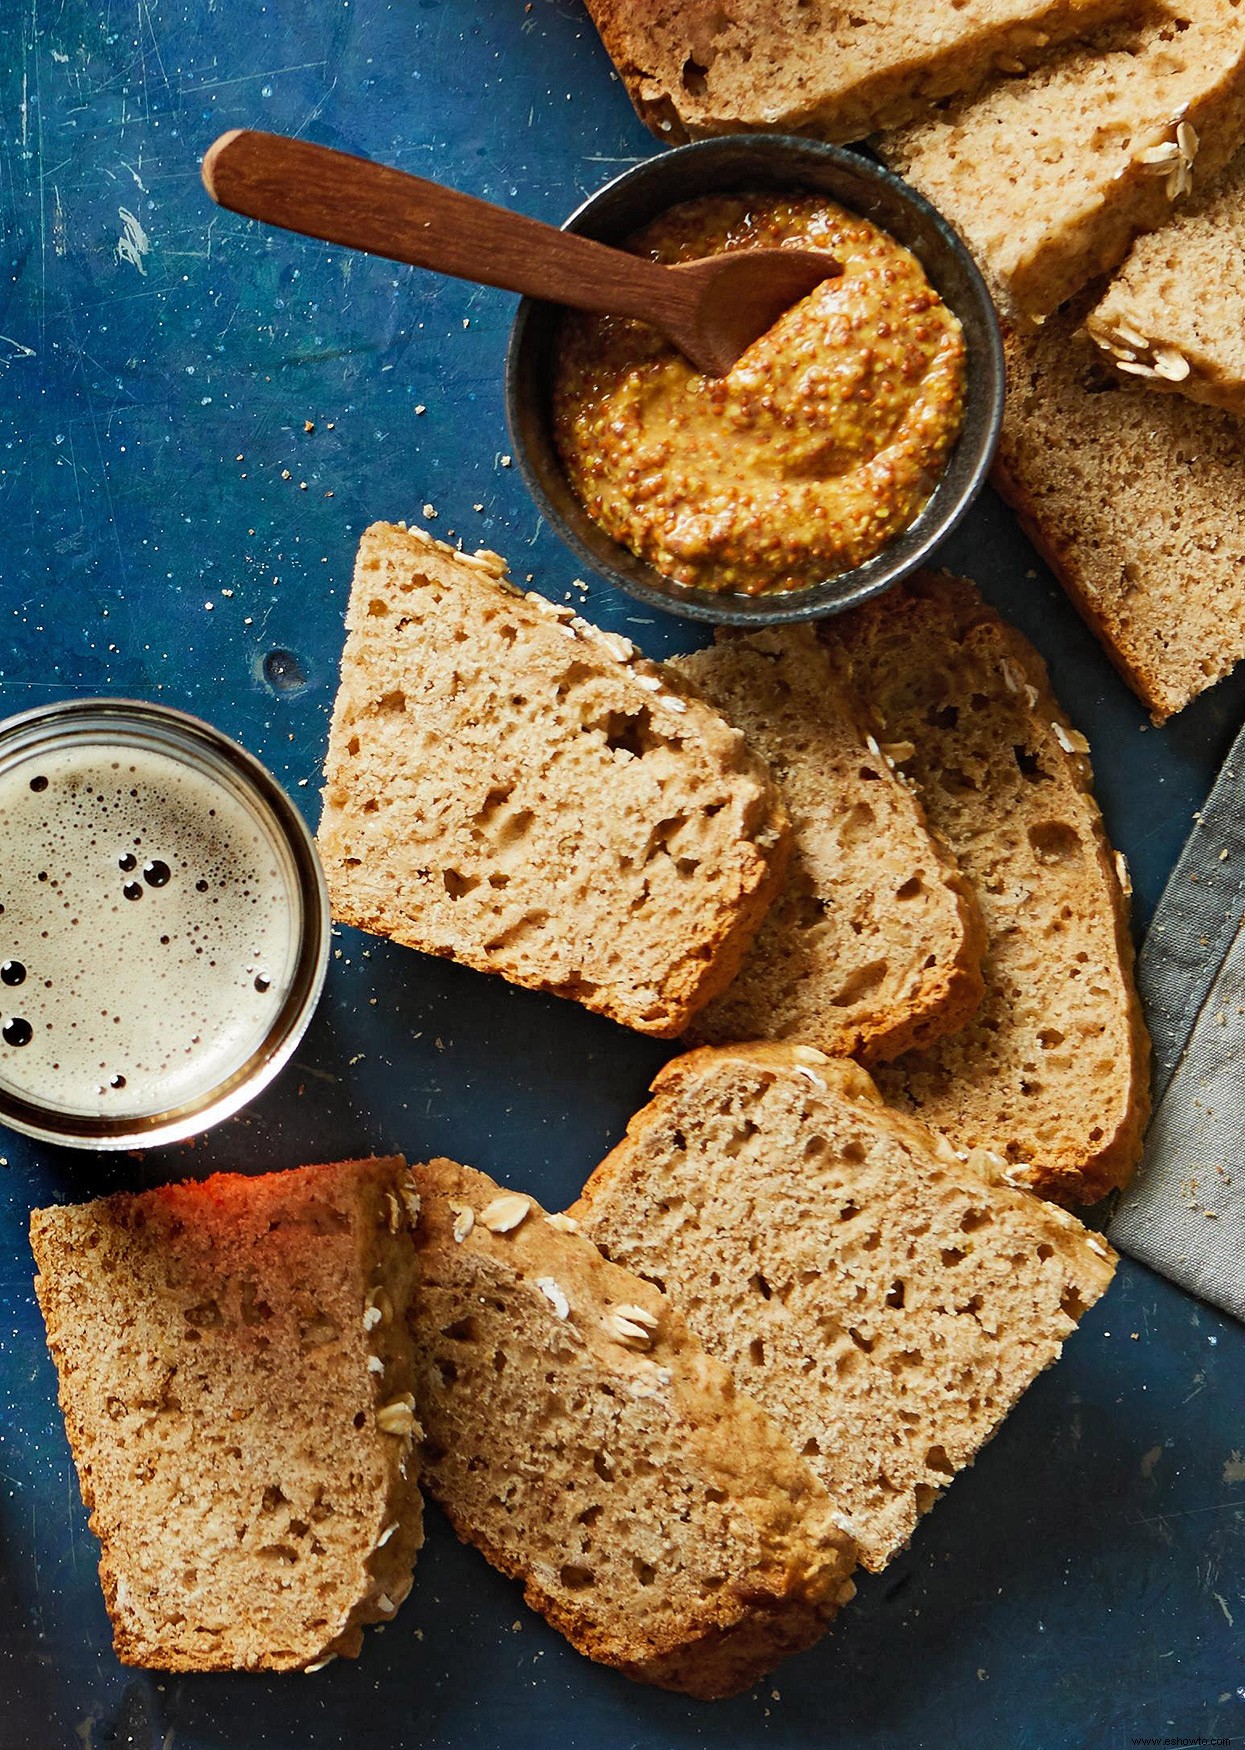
x: 737, y: 164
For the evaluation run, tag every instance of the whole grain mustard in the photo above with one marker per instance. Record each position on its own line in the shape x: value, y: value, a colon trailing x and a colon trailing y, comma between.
x: 821, y: 444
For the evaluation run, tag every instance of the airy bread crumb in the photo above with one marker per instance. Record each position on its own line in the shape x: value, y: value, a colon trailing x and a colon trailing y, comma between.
x: 1050, y: 177
x: 510, y: 787
x: 250, y: 1479
x: 582, y: 1439
x: 875, y: 944
x: 819, y: 66
x: 1174, y: 314
x: 1053, y: 1068
x: 1137, y: 502
x: 885, y: 1302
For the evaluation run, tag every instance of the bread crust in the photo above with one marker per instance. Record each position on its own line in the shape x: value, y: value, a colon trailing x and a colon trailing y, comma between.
x: 1047, y: 178
x: 783, y: 689
x: 1065, y: 560
x: 1135, y: 504
x: 886, y: 1301
x: 1176, y: 306
x: 218, y: 1317
x: 938, y: 625
x: 706, y: 1642
x: 698, y: 69
x: 414, y: 860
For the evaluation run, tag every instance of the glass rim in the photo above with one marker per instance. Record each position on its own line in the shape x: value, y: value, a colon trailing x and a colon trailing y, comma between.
x: 205, y: 744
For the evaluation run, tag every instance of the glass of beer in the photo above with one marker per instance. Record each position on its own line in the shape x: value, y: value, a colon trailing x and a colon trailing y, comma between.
x: 164, y: 925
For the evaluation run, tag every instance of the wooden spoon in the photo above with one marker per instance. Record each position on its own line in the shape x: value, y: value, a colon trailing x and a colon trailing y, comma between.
x: 712, y: 309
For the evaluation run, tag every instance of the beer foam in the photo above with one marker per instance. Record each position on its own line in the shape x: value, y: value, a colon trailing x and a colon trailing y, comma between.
x: 149, y: 930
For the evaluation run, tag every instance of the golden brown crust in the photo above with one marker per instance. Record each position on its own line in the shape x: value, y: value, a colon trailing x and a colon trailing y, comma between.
x: 699, y: 69
x: 1137, y: 502
x: 510, y: 787
x: 1002, y: 1082
x: 1050, y: 178
x: 578, y: 1419
x: 1065, y: 559
x: 886, y: 1300
x: 875, y: 944
x: 219, y: 1320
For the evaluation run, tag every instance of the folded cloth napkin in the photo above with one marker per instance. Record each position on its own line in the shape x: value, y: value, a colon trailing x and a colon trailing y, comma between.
x: 1184, y: 1213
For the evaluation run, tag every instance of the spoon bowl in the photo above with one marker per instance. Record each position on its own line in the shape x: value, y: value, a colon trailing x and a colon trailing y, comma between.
x: 737, y: 297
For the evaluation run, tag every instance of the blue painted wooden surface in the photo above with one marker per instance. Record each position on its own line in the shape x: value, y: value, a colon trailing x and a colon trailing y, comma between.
x: 166, y: 523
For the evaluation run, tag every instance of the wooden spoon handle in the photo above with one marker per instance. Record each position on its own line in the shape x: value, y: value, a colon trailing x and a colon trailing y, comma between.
x: 351, y: 201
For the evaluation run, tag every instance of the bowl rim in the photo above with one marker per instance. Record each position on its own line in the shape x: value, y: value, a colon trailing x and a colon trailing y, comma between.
x: 813, y: 601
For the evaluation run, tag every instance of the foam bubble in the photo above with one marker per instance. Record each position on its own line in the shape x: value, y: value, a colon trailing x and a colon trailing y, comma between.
x: 149, y: 930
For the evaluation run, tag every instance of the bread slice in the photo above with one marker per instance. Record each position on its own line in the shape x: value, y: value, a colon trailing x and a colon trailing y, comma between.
x: 875, y: 944
x: 1137, y: 502
x: 1053, y: 1069
x: 885, y: 1301
x: 818, y: 65
x: 1174, y: 315
x: 512, y: 788
x: 235, y: 1374
x: 1049, y: 178
x: 580, y: 1437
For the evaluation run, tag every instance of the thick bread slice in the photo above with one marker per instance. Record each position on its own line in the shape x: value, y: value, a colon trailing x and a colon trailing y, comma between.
x: 512, y: 788
x: 1053, y: 1069
x: 886, y: 1302
x: 1137, y: 502
x: 235, y: 1374
x: 699, y: 67
x: 580, y: 1437
x: 1051, y: 177
x: 875, y: 944
x: 1174, y: 315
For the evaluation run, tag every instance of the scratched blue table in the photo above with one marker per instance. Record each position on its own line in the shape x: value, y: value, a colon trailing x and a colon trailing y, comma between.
x: 197, y: 418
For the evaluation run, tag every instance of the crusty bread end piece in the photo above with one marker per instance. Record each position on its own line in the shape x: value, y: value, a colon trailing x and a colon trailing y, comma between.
x: 513, y: 788
x: 581, y: 1438
x: 1137, y: 503
x: 1053, y: 1069
x: 250, y: 1472
x: 874, y: 946
x: 1051, y: 177
x: 886, y: 1302
x: 819, y: 66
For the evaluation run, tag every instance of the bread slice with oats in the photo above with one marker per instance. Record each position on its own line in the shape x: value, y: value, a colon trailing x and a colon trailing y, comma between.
x: 1137, y: 503
x: 582, y: 1439
x: 1053, y: 1068
x: 1173, y: 317
x: 874, y: 946
x: 819, y: 66
x: 235, y: 1374
x: 1049, y: 178
x: 885, y: 1301
x: 513, y: 788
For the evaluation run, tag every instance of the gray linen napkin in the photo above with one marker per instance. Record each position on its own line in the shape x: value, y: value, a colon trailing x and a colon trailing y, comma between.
x: 1184, y: 1213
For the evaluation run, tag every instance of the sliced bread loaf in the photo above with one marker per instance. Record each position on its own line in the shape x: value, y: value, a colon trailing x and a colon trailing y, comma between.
x: 1137, y: 502
x: 835, y: 70
x: 235, y: 1373
x: 875, y: 944
x: 1174, y: 315
x: 884, y: 1300
x: 1052, y: 1070
x: 512, y: 788
x: 582, y: 1439
x: 1049, y: 178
